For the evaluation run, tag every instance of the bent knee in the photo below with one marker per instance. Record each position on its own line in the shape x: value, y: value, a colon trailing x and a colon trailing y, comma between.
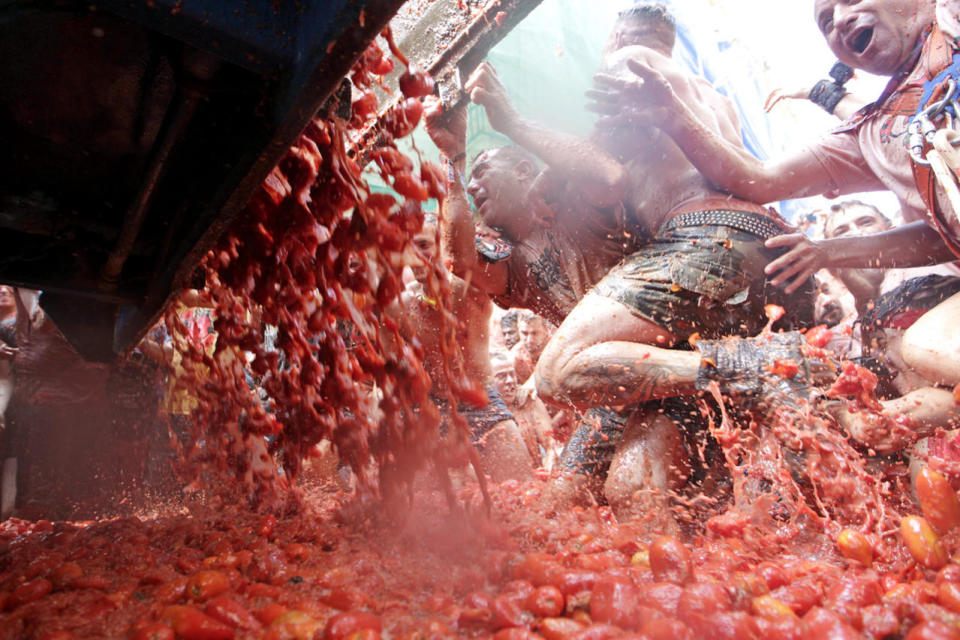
x: 932, y: 355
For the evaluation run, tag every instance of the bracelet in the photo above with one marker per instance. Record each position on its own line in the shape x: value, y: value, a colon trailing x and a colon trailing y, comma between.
x: 452, y: 174
x: 827, y: 94
x: 841, y: 73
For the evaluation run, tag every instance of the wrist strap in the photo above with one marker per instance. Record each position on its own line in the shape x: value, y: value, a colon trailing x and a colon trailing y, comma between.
x: 827, y: 94
x: 454, y: 176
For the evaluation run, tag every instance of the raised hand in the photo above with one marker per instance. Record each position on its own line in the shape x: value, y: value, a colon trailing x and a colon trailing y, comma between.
x: 447, y: 128
x: 487, y: 90
x: 647, y: 99
x: 796, y: 93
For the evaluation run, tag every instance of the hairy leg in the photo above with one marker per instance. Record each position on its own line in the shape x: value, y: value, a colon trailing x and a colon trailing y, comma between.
x: 649, y: 463
x: 503, y: 454
x: 932, y: 345
x: 603, y: 354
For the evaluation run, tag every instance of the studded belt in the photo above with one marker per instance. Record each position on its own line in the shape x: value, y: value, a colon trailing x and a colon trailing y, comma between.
x: 753, y: 223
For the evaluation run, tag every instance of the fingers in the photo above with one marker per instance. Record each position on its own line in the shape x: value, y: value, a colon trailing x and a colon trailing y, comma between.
x: 482, y: 76
x: 479, y: 96
x: 602, y: 96
x: 432, y: 107
x: 775, y: 96
x: 785, y: 240
x: 801, y: 279
x: 603, y: 108
x: 645, y: 71
x: 606, y: 80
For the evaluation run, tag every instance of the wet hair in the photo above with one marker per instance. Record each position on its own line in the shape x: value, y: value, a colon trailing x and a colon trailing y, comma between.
x: 499, y: 358
x: 841, y: 207
x: 526, y: 316
x: 652, y: 11
x: 513, y: 153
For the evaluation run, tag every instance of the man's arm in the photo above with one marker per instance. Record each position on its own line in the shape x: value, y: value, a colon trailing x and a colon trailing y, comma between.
x: 652, y: 101
x: 910, y: 245
x: 457, y: 229
x: 601, y: 179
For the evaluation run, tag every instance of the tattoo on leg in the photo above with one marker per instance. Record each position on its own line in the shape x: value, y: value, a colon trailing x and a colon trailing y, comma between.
x: 622, y: 381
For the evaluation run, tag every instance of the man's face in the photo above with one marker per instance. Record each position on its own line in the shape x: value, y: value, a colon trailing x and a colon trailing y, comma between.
x: 855, y: 220
x: 533, y: 335
x: 833, y: 302
x: 652, y: 33
x: 505, y: 378
x: 498, y: 188
x: 874, y: 35
x: 426, y: 242
x: 511, y: 335
x: 6, y: 297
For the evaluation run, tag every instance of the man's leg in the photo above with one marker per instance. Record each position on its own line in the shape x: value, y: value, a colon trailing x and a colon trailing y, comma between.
x: 585, y: 460
x: 649, y: 464
x: 931, y: 346
x: 604, y: 354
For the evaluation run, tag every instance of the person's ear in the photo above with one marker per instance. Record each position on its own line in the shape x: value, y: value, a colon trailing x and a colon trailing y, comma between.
x: 525, y: 171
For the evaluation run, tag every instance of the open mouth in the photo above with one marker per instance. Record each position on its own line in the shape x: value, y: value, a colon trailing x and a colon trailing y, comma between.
x: 861, y: 40
x: 478, y: 200
x: 832, y: 314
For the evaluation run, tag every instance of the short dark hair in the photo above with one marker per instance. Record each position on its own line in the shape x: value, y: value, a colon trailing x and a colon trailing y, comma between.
x: 840, y: 207
x: 649, y: 11
x: 516, y: 154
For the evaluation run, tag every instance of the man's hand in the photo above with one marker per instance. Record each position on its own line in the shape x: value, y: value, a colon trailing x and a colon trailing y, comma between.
x: 6, y: 351
x: 796, y: 93
x: 647, y: 100
x: 486, y: 89
x: 447, y: 129
x: 797, y: 265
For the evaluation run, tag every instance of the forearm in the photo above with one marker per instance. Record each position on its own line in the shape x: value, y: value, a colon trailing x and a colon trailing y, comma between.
x: 457, y: 231
x: 910, y: 245
x: 848, y: 105
x: 600, y: 177
x: 731, y: 168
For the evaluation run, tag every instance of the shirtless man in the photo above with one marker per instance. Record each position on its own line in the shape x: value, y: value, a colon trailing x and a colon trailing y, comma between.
x: 554, y: 241
x: 493, y: 431
x: 528, y: 410
x: 703, y: 273
x: 534, y: 334
x: 912, y: 41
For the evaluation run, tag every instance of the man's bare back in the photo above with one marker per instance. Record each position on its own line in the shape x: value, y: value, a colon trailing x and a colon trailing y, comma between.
x: 661, y: 179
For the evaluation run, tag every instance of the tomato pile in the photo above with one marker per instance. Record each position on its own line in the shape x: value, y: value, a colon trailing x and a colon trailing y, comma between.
x: 433, y: 573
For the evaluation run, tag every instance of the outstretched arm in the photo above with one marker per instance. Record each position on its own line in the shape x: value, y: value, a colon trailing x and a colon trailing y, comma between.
x: 602, y: 180
x: 911, y: 245
x: 650, y: 100
x: 457, y: 230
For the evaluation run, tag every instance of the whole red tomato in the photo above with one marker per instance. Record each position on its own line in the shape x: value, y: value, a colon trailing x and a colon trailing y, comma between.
x: 155, y: 631
x: 204, y: 585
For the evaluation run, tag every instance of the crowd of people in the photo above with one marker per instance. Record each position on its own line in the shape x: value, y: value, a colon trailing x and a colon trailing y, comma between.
x: 650, y: 248
x: 601, y: 285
